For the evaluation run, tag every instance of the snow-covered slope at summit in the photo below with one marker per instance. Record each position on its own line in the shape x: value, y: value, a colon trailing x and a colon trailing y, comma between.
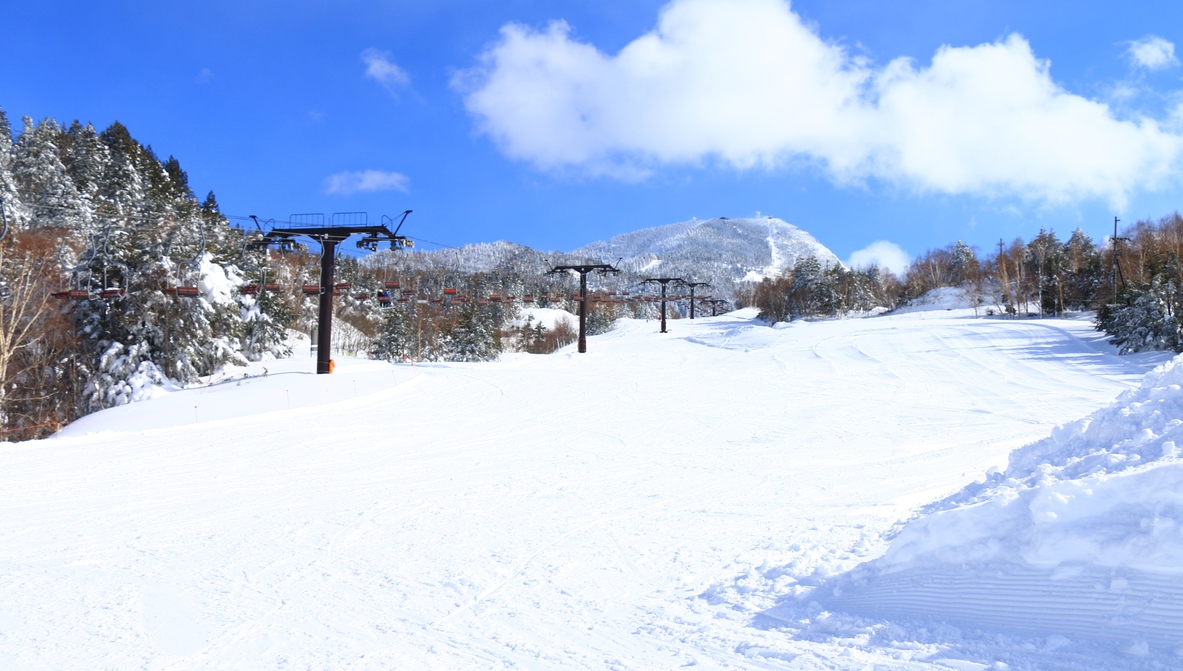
x: 720, y: 251
x: 751, y: 248
x: 643, y: 506
x: 1081, y: 536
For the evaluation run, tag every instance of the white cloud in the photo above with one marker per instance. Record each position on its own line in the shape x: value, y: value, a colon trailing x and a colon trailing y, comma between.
x: 883, y: 254
x: 1152, y: 52
x: 365, y: 181
x: 381, y: 69
x: 748, y: 83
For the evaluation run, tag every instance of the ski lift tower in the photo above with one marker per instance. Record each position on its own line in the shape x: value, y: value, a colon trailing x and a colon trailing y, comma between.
x: 692, y: 286
x: 583, y: 271
x: 663, y: 281
x: 340, y: 228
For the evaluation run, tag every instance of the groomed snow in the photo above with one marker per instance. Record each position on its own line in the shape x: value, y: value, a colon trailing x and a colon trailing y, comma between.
x: 662, y: 501
x: 1081, y: 535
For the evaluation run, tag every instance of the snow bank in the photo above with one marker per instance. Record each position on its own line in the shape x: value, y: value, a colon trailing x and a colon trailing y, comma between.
x: 1082, y: 535
x: 941, y: 298
x: 548, y: 317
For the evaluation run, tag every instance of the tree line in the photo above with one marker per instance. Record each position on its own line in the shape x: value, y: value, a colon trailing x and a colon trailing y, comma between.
x: 1133, y: 286
x: 116, y: 280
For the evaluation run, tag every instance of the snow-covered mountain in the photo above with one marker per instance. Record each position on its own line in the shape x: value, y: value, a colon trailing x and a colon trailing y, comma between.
x: 735, y: 249
x: 722, y: 251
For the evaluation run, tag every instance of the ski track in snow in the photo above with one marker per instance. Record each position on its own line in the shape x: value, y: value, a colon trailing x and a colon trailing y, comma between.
x: 774, y: 267
x: 652, y: 504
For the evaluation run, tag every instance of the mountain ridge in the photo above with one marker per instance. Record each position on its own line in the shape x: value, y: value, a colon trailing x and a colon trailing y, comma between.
x: 723, y: 251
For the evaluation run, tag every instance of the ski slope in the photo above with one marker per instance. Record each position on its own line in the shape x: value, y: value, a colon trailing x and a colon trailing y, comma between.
x: 660, y: 502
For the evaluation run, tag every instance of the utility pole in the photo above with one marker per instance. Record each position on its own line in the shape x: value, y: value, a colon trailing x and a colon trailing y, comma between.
x: 663, y: 281
x: 583, y: 271
x: 342, y: 226
x: 1116, y: 270
x: 692, y: 286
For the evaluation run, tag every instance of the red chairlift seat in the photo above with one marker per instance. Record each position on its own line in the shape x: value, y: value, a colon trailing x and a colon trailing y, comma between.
x: 408, y: 292
x: 246, y: 290
x: 404, y: 300
x: 449, y: 292
x: 528, y: 298
x: 482, y: 302
x: 437, y: 301
x: 392, y: 284
x: 363, y: 297
x: 183, y: 292
x: 496, y: 298
x: 113, y: 293
x: 343, y: 285
x: 311, y: 289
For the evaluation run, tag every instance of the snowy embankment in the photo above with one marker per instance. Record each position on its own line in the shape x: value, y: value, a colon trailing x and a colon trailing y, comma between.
x: 638, y: 507
x: 548, y: 317
x: 1081, y: 536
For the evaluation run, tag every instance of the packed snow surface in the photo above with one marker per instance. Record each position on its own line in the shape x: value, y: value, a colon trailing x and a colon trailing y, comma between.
x: 1081, y: 535
x: 666, y: 500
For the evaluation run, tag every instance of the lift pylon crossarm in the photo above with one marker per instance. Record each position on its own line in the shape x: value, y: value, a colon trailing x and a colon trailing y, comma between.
x: 663, y: 281
x: 583, y: 270
x: 692, y: 286
x: 329, y: 236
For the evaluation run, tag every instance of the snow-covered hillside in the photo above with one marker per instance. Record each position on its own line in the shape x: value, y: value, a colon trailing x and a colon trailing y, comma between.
x: 720, y: 251
x: 663, y: 501
x: 753, y: 248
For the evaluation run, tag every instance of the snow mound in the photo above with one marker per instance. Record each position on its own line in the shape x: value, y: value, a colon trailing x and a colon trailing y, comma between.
x: 941, y: 298
x: 1082, y: 535
x: 548, y: 317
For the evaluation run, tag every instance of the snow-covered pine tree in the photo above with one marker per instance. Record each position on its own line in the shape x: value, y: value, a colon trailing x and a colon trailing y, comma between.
x: 396, y: 339
x: 474, y: 336
x: 47, y: 192
x: 9, y: 196
x: 1145, y: 318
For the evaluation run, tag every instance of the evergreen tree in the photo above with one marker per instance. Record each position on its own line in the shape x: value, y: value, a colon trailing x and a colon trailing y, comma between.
x: 47, y: 192
x: 9, y: 196
x: 1145, y: 318
x: 473, y: 337
x: 396, y: 339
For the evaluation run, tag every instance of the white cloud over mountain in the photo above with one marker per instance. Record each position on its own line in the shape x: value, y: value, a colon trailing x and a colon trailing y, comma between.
x: 748, y: 83
x: 883, y: 254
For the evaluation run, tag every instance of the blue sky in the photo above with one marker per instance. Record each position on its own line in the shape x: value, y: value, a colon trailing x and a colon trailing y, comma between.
x: 1051, y: 114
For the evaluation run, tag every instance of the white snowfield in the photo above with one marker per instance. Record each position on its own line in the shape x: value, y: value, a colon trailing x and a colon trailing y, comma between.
x: 663, y: 501
x: 1081, y: 535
